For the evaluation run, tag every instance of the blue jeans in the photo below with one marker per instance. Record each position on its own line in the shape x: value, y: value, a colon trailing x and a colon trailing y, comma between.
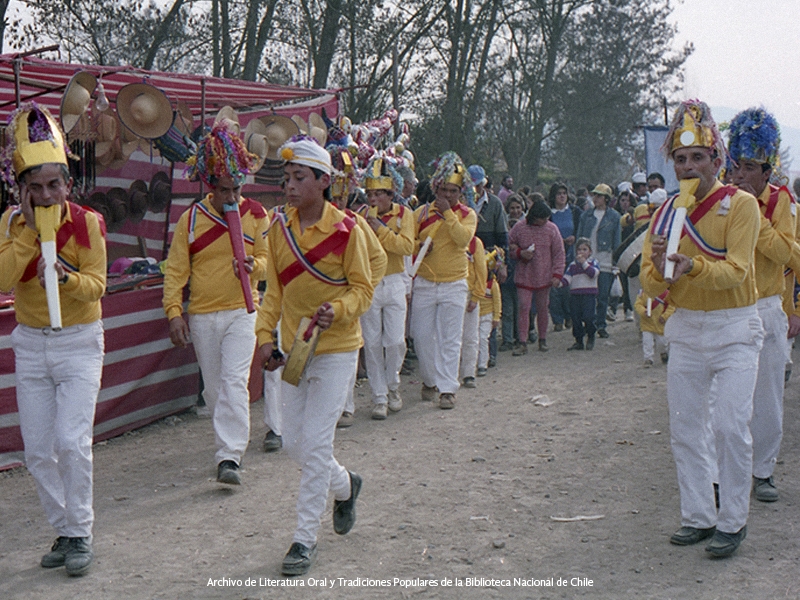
x: 582, y: 307
x: 604, y: 283
x: 559, y: 304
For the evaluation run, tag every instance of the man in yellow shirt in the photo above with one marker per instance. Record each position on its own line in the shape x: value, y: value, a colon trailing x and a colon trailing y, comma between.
x: 440, y: 292
x: 754, y: 146
x: 318, y: 266
x: 57, y: 370
x: 714, y: 335
x: 384, y: 324
x: 222, y: 331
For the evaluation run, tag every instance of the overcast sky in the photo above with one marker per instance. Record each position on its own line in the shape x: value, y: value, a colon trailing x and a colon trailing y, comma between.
x: 747, y: 53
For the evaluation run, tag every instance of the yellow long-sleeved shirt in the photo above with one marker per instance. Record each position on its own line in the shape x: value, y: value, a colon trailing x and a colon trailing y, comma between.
x: 775, y: 242
x: 377, y: 255
x: 304, y: 294
x: 642, y: 214
x: 713, y: 284
x: 80, y: 295
x: 446, y: 261
x: 213, y: 284
x: 657, y: 310
x: 396, y: 237
x: 478, y: 272
x: 492, y: 301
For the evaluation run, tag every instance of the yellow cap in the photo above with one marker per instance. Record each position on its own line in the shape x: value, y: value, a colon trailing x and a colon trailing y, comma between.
x: 29, y: 154
x: 373, y: 180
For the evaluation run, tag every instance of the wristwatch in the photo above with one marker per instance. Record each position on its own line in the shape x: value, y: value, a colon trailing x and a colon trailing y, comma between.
x: 64, y: 279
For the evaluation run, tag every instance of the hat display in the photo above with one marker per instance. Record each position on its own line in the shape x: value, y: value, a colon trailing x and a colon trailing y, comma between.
x: 318, y: 129
x: 76, y: 98
x: 305, y: 150
x: 301, y: 124
x: 137, y: 200
x: 97, y: 202
x: 35, y: 139
x: 755, y: 135
x: 184, y: 119
x: 477, y: 174
x: 160, y: 192
x: 693, y: 125
x: 603, y: 190
x: 145, y: 110
x: 269, y: 133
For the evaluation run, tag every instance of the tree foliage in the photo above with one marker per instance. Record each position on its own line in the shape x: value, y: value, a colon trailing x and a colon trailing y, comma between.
x: 515, y: 84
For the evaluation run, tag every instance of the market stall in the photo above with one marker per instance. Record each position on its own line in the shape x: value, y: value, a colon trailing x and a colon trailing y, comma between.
x: 140, y: 186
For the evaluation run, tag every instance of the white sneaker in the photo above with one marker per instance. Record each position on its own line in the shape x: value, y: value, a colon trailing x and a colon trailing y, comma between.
x: 628, y: 315
x: 379, y: 411
x: 395, y: 401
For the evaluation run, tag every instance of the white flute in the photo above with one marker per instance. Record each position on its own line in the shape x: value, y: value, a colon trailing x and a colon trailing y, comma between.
x: 649, y: 307
x: 422, y: 252
x: 684, y: 200
x: 46, y: 219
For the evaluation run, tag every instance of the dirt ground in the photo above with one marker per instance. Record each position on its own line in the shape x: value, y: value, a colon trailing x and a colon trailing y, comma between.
x: 455, y: 503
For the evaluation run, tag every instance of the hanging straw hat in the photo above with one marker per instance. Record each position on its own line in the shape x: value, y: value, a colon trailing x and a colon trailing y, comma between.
x: 317, y: 128
x: 301, y: 124
x: 277, y: 129
x: 255, y: 138
x: 106, y: 127
x: 76, y: 98
x: 145, y: 110
x: 228, y: 115
x: 184, y: 119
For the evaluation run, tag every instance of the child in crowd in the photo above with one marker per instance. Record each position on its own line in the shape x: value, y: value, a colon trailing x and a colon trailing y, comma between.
x: 490, y: 307
x: 653, y: 314
x: 470, y: 340
x: 581, y: 277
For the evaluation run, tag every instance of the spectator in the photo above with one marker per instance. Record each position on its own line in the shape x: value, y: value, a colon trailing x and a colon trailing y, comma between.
x: 506, y: 188
x: 639, y: 187
x: 537, y: 245
x: 508, y: 289
x: 602, y: 227
x: 566, y: 217
x: 626, y: 202
x: 581, y: 277
x: 655, y: 181
x: 492, y: 226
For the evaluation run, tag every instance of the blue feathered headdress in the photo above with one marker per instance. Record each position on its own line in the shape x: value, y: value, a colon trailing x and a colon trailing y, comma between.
x: 755, y: 135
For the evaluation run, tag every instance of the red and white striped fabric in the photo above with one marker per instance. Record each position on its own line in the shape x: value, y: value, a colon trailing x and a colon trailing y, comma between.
x: 145, y: 377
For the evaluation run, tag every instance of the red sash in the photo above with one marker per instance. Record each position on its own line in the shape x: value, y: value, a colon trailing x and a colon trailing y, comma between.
x: 388, y: 216
x: 220, y: 229
x: 76, y: 228
x: 336, y: 243
x: 774, y: 193
x: 430, y: 220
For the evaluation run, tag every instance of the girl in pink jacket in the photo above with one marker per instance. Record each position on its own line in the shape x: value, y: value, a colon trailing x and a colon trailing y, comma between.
x: 536, y: 244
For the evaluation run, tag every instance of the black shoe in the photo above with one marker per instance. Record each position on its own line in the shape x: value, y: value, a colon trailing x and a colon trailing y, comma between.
x: 602, y: 333
x: 79, y: 556
x: 724, y: 544
x: 505, y: 347
x: 590, y: 342
x: 298, y: 559
x: 576, y: 346
x: 57, y: 554
x: 764, y: 489
x: 344, y: 511
x: 567, y: 323
x: 492, y: 362
x: 228, y: 472
x: 686, y: 536
x: 272, y: 442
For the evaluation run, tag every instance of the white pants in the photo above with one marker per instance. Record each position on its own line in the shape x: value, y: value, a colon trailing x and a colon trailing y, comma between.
x: 224, y: 342
x: 310, y: 412
x: 484, y: 331
x: 272, y: 400
x: 470, y: 338
x: 437, y: 313
x: 652, y: 341
x: 383, y: 327
x: 58, y: 378
x: 712, y: 371
x: 767, y: 424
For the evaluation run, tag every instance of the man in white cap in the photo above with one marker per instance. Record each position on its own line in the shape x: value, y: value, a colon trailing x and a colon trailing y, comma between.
x: 714, y: 335
x: 639, y: 186
x: 57, y: 369
x: 318, y: 268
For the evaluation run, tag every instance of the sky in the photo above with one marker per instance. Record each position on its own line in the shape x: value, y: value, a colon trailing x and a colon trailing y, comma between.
x: 747, y: 53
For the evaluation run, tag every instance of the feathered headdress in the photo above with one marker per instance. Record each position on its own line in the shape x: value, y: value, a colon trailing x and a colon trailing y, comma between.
x: 755, y: 135
x: 449, y: 168
x: 693, y: 125
x: 381, y: 173
x: 221, y: 153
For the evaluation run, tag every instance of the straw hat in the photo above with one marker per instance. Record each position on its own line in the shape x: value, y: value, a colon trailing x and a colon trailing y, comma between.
x: 76, y: 98
x: 317, y: 128
x: 160, y: 192
x: 255, y: 138
x: 145, y: 110
x: 301, y: 124
x: 106, y: 126
x: 276, y: 129
x: 228, y: 115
